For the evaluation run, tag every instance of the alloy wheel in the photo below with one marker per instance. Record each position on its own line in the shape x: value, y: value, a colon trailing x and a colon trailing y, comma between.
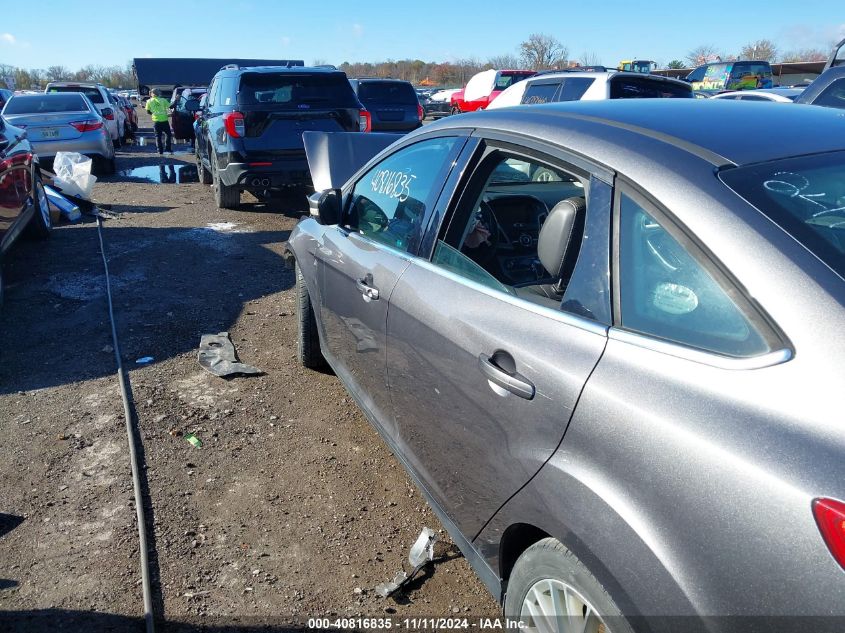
x: 552, y: 606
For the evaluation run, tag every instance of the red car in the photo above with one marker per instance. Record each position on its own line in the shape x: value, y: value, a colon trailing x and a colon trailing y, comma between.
x: 485, y: 86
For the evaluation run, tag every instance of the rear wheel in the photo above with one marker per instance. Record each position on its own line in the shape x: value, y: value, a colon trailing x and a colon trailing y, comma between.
x: 226, y: 197
x: 551, y: 590
x: 205, y: 175
x: 308, y: 341
x: 104, y: 166
x: 41, y: 223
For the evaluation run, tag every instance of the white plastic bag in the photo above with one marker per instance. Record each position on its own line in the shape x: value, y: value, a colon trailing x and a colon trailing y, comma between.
x: 73, y: 174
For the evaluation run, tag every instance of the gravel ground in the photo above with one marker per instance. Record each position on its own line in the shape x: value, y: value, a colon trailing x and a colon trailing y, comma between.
x: 292, y: 508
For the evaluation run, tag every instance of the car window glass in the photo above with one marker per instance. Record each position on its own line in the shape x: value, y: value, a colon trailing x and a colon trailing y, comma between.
x: 647, y: 88
x: 752, y: 98
x: 226, y: 96
x: 574, y: 88
x: 212, y: 92
x: 390, y: 202
x: 666, y: 293
x: 26, y: 104
x: 833, y: 96
x: 297, y: 91
x: 540, y: 92
x: 92, y: 93
x: 805, y: 196
x: 697, y: 74
x: 495, y: 230
x: 398, y: 92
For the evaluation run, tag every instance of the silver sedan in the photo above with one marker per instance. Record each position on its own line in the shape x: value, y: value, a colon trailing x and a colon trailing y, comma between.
x: 606, y: 340
x: 62, y: 122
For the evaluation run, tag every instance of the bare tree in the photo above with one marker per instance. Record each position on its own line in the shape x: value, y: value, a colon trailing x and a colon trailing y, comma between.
x: 805, y: 55
x: 589, y: 59
x: 761, y: 50
x: 541, y: 52
x: 504, y: 61
x: 702, y: 54
x: 58, y: 73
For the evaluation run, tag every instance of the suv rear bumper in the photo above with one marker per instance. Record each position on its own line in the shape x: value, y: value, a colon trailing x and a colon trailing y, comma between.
x: 279, y: 174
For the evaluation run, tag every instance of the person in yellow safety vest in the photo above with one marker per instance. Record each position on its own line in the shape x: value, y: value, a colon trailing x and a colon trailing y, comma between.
x: 159, y: 108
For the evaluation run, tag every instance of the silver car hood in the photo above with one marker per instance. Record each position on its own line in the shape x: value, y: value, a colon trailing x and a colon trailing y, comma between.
x: 334, y: 157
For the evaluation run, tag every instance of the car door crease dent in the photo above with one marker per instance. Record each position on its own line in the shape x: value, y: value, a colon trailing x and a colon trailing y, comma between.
x: 556, y: 449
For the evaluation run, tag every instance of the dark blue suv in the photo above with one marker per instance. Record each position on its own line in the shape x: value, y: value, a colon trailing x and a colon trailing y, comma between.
x: 249, y: 132
x: 392, y: 103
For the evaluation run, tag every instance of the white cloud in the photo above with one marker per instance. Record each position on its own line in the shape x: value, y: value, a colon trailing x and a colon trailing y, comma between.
x: 357, y: 30
x: 285, y: 40
x: 8, y: 38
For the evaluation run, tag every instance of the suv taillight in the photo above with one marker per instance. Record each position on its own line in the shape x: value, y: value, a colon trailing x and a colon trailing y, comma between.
x: 108, y: 113
x: 420, y: 112
x: 830, y: 517
x: 86, y: 126
x: 365, y: 121
x: 234, y: 124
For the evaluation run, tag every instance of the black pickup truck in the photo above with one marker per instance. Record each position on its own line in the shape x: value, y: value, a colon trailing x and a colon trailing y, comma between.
x: 249, y: 133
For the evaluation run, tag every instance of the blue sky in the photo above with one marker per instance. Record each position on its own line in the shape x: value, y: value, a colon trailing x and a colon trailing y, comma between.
x: 360, y: 30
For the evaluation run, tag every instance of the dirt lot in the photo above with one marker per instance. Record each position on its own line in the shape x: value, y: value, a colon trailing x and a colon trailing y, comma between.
x: 292, y: 508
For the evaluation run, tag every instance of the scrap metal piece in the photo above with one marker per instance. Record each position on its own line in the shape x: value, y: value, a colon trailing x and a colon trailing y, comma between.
x: 217, y: 355
x: 391, y: 586
x: 421, y: 554
x: 422, y: 551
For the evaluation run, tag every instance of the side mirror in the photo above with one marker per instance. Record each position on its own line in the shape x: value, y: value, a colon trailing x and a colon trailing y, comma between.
x: 192, y: 105
x: 328, y: 207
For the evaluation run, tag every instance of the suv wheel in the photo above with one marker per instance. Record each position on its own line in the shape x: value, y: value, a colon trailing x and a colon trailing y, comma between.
x: 225, y: 197
x: 205, y: 175
x: 549, y: 584
x: 308, y: 341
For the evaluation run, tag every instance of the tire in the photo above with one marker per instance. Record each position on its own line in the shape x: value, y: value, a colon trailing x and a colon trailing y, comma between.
x: 308, y: 340
x: 225, y: 197
x: 205, y: 175
x: 548, y: 566
x: 41, y: 223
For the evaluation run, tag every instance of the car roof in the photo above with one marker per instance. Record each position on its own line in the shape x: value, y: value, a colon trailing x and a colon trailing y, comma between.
x: 281, y: 69
x: 607, y: 74
x: 715, y: 130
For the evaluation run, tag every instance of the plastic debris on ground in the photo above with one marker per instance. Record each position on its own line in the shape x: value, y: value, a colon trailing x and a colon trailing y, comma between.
x: 217, y: 355
x: 421, y: 554
x: 193, y: 440
x: 67, y: 209
x: 145, y: 360
x: 73, y: 174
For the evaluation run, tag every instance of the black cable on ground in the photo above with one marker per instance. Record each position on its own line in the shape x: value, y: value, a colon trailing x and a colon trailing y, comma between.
x: 133, y: 450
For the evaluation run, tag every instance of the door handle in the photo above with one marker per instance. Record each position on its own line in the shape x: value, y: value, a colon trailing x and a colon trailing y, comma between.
x: 510, y: 381
x: 366, y: 288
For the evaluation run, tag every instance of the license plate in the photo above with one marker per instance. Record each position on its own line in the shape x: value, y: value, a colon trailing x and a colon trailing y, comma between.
x: 49, y: 132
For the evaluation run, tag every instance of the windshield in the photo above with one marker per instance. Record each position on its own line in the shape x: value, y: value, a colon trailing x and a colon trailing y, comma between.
x: 503, y: 80
x: 89, y: 91
x: 297, y: 91
x: 804, y: 196
x: 34, y: 104
x: 397, y: 92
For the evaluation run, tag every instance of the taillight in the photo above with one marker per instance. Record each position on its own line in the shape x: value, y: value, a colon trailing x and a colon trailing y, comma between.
x: 365, y: 121
x: 234, y: 124
x: 86, y: 126
x: 420, y: 112
x: 830, y: 517
x: 108, y: 113
x: 18, y: 160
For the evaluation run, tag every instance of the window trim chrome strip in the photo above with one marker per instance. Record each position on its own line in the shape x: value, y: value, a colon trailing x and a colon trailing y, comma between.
x: 558, y: 315
x: 677, y: 350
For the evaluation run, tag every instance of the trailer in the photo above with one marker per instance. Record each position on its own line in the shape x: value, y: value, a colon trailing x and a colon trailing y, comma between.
x: 167, y: 73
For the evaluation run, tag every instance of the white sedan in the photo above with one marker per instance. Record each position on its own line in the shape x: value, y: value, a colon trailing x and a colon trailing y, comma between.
x: 779, y: 95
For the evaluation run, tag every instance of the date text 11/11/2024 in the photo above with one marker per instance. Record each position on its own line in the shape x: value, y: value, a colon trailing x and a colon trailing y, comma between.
x: 414, y: 624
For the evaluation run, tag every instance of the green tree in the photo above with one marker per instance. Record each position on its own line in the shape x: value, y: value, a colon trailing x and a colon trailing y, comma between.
x: 676, y: 64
